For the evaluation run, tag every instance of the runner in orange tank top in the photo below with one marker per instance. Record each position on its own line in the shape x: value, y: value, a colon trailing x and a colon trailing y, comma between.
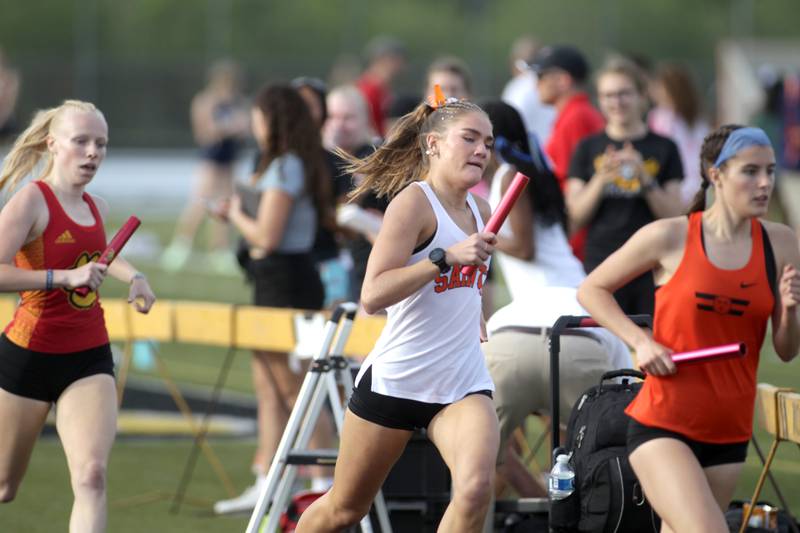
x: 723, y: 273
x: 55, y: 351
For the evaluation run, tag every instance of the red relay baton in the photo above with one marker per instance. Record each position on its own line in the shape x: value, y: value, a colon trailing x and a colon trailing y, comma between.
x: 503, y: 209
x: 114, y: 247
x: 724, y: 351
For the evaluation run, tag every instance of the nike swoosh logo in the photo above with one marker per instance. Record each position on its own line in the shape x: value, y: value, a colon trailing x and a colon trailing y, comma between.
x: 744, y: 285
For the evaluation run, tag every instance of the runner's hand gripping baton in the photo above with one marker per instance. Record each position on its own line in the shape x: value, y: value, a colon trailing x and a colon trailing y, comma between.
x: 714, y: 353
x: 723, y: 351
x: 503, y: 208
x: 114, y: 247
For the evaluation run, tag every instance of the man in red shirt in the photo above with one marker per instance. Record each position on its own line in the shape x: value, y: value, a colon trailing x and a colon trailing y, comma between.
x: 562, y: 72
x: 386, y: 58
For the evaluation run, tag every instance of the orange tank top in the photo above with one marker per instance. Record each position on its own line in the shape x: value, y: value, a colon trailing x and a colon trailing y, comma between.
x: 702, y: 306
x: 60, y: 321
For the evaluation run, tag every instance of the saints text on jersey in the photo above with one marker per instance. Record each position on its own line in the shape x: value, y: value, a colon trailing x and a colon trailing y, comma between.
x: 455, y: 279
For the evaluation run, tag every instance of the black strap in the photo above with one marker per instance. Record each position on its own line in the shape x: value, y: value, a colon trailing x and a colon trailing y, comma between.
x: 622, y: 373
x: 425, y: 244
x: 535, y: 330
x: 530, y: 330
x: 769, y: 259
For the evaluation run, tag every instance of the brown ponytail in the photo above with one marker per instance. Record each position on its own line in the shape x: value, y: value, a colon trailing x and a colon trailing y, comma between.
x: 290, y: 128
x: 402, y: 159
x: 712, y: 146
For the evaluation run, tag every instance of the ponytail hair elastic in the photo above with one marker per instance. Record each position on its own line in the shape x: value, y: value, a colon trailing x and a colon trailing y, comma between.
x: 438, y: 100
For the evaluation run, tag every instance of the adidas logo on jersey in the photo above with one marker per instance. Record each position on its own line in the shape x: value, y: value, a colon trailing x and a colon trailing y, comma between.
x: 65, y: 238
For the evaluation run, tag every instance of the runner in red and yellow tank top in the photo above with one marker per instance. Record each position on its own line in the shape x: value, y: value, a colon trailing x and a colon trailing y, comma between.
x: 723, y: 273
x: 60, y: 321
x: 55, y: 350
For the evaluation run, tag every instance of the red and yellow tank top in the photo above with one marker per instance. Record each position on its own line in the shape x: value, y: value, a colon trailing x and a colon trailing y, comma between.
x: 702, y: 306
x: 60, y: 321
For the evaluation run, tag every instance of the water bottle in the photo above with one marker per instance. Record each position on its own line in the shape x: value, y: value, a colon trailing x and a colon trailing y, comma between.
x: 562, y: 478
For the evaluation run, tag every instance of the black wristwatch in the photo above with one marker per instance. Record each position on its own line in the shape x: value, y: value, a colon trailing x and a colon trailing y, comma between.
x: 439, y: 258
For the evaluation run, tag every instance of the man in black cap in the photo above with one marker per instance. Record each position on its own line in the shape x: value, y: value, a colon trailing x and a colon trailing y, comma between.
x: 563, y: 71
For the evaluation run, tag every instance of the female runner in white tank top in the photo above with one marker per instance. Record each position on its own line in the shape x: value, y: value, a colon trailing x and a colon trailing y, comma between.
x: 427, y: 369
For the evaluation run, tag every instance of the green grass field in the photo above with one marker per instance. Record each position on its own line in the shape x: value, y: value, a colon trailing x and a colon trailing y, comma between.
x: 144, y: 472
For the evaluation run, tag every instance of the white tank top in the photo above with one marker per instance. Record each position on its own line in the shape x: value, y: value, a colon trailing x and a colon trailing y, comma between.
x: 429, y: 349
x: 554, y: 264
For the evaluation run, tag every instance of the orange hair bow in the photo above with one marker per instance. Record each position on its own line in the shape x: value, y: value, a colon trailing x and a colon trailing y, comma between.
x: 438, y: 97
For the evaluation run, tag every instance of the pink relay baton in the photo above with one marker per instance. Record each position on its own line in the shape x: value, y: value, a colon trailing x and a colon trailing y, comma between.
x: 112, y: 250
x: 503, y: 209
x: 724, y: 351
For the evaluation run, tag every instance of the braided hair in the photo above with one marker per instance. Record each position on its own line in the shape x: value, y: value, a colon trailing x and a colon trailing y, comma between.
x: 712, y: 146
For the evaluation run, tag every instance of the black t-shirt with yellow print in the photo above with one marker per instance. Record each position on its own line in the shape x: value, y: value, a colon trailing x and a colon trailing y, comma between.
x: 623, y: 208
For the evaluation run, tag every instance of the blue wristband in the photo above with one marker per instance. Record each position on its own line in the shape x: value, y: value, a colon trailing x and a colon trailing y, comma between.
x: 48, y: 283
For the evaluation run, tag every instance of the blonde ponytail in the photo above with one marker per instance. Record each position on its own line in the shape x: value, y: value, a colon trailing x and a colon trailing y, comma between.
x: 31, y: 146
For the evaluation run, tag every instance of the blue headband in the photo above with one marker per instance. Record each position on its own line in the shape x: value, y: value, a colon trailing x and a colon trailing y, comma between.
x: 740, y: 139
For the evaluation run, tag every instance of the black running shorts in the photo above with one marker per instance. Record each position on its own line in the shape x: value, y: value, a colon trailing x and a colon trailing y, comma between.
x: 45, y: 376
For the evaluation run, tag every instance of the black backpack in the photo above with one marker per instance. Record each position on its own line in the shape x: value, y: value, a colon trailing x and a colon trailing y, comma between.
x: 607, y: 497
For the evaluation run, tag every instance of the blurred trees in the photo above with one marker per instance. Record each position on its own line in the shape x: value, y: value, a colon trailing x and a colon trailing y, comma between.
x: 142, y: 60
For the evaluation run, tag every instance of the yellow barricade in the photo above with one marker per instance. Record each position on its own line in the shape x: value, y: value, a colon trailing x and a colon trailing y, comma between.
x: 265, y: 328
x: 366, y: 331
x: 204, y: 323
x: 790, y: 415
x: 158, y: 324
x: 216, y: 324
x: 117, y: 321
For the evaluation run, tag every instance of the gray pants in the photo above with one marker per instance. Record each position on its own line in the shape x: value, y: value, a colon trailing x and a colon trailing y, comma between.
x: 520, y: 367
